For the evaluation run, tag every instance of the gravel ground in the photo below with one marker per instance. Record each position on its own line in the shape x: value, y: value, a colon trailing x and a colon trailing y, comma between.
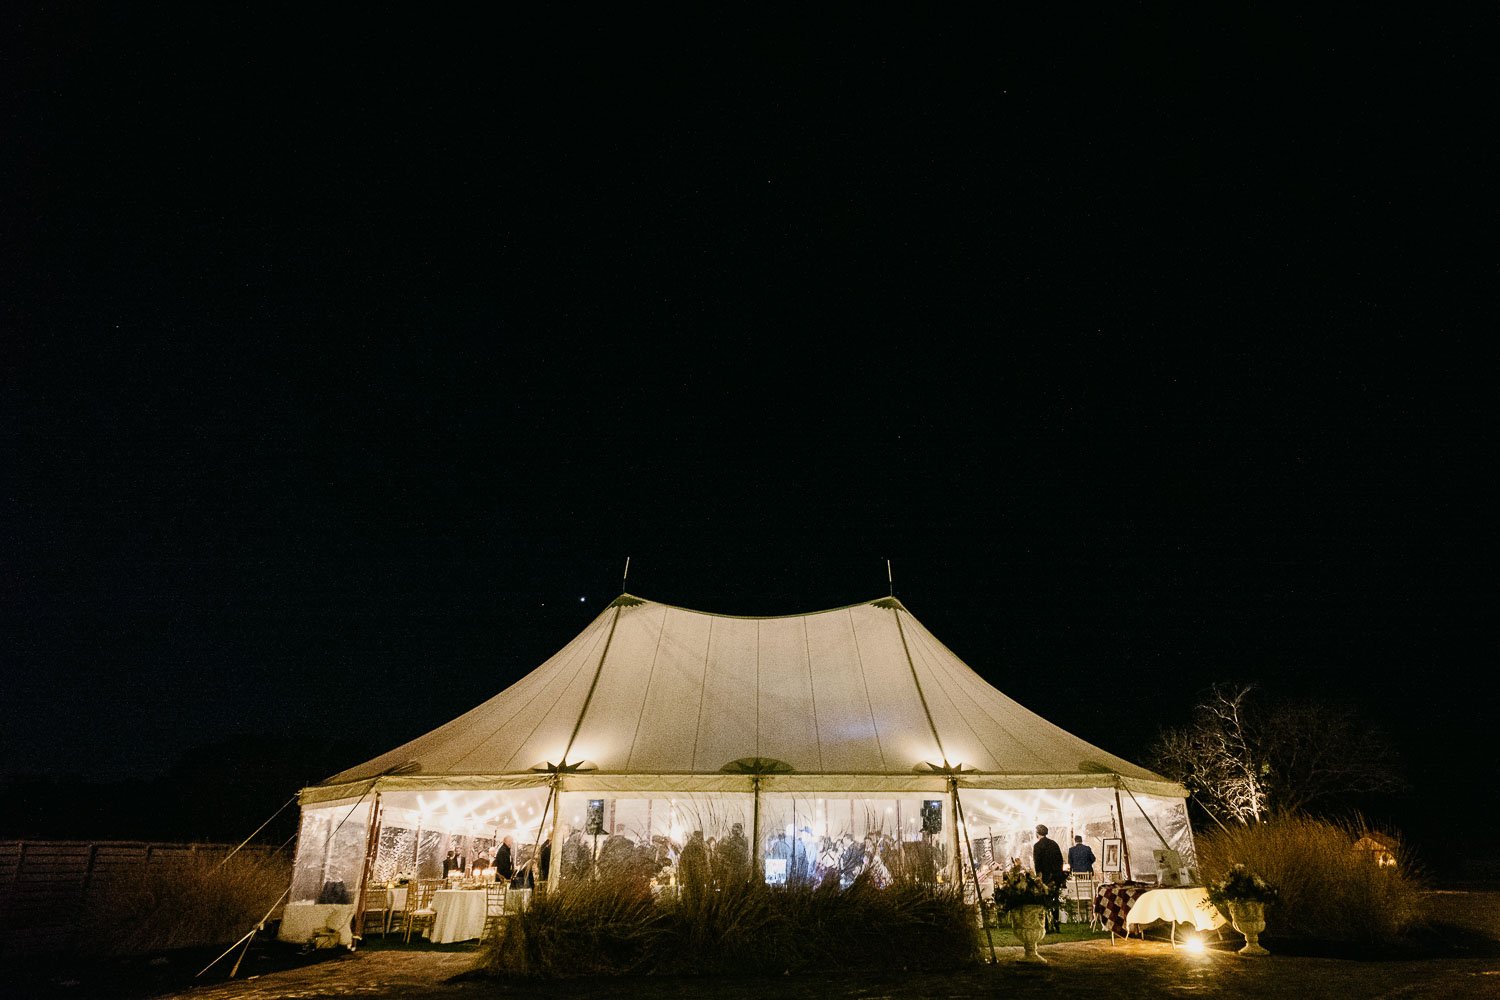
x: 1122, y: 970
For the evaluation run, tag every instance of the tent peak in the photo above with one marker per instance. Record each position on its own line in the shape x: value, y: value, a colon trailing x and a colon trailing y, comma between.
x: 631, y: 600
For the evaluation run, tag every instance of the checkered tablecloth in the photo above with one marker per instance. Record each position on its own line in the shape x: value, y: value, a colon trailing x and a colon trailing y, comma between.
x: 1113, y: 901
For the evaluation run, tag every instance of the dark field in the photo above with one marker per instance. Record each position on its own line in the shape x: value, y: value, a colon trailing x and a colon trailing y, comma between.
x: 1458, y: 957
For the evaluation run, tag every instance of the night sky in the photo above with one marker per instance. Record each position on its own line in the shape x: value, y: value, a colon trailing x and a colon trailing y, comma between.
x: 346, y: 361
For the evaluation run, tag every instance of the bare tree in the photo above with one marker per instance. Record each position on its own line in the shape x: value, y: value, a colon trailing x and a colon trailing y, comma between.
x: 1219, y: 756
x: 1320, y: 752
x: 1242, y: 760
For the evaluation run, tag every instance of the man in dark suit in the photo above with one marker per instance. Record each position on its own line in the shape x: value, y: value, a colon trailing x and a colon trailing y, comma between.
x: 505, y: 865
x: 1047, y: 862
x: 1080, y: 858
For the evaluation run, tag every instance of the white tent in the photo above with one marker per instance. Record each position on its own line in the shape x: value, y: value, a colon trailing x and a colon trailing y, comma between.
x: 657, y: 720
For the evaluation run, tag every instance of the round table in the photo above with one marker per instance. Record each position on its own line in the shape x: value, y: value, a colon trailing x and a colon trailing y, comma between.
x: 1180, y: 906
x: 458, y: 915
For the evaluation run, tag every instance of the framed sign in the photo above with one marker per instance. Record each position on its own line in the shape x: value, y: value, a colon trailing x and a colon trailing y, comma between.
x: 1111, y: 860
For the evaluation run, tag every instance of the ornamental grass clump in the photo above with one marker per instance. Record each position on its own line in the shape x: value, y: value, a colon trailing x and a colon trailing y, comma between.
x: 185, y: 904
x: 615, y: 927
x: 1326, y: 890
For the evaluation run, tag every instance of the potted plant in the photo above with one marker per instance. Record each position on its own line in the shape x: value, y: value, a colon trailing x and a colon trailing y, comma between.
x: 1244, y: 895
x: 1026, y: 898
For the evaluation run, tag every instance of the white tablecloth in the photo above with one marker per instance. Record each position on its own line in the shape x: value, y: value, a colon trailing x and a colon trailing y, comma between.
x: 1181, y: 906
x: 301, y: 920
x: 459, y: 915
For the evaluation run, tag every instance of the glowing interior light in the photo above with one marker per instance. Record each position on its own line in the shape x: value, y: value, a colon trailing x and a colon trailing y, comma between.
x: 1194, y: 945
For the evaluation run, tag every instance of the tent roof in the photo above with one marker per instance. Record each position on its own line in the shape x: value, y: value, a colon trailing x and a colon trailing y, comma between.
x: 651, y: 689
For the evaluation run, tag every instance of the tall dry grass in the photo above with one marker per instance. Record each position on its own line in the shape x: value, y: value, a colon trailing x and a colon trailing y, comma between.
x: 617, y: 928
x: 189, y: 904
x: 1328, y: 891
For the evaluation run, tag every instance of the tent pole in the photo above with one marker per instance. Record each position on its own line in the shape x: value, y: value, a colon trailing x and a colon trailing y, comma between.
x: 958, y: 817
x: 757, y: 863
x: 260, y: 924
x: 536, y: 847
x: 1124, y: 841
x: 372, y: 847
x: 554, y: 858
x: 955, y: 863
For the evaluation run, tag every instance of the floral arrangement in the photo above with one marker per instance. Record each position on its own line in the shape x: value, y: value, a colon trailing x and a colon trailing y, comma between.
x: 1241, y: 885
x: 1019, y: 887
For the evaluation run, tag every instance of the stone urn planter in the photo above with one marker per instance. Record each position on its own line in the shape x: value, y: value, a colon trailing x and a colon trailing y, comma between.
x: 1030, y: 925
x: 1249, y: 918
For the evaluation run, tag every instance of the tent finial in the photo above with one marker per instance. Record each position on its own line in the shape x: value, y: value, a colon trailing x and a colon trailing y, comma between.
x: 627, y: 573
x: 890, y: 579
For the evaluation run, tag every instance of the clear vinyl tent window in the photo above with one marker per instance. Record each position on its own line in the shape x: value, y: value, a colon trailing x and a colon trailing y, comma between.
x: 660, y: 839
x: 472, y: 823
x: 818, y: 838
x: 1001, y: 825
x: 331, y: 845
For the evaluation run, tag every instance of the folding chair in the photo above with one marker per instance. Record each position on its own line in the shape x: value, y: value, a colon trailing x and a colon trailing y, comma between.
x: 1081, y: 900
x: 403, y: 901
x: 419, y: 911
x: 494, y: 909
x: 377, y: 909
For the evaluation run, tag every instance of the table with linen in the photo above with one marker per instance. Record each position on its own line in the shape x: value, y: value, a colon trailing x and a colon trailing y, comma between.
x: 1113, y: 901
x: 458, y: 915
x: 1180, y: 906
x: 301, y: 921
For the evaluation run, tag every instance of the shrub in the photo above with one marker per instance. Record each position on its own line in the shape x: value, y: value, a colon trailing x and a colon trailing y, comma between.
x: 1325, y: 889
x: 188, y: 904
x: 613, y: 927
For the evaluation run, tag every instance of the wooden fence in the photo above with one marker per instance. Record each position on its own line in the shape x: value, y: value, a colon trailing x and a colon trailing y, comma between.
x: 47, y: 886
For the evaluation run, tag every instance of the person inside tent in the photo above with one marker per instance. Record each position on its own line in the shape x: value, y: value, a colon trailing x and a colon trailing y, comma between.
x: 1047, y: 862
x: 505, y: 863
x: 1080, y: 858
x: 732, y: 858
x: 692, y: 868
